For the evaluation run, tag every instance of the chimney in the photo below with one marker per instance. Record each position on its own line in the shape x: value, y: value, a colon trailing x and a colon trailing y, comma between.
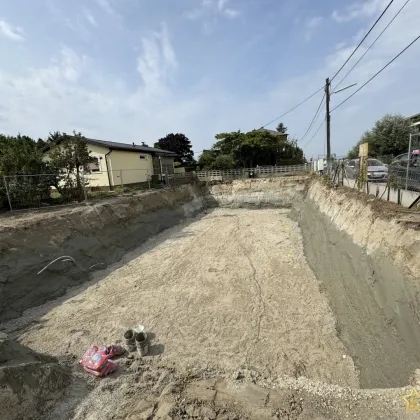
x: 134, y: 145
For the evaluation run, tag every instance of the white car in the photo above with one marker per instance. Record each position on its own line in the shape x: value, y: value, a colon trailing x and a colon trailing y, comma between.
x: 376, y: 171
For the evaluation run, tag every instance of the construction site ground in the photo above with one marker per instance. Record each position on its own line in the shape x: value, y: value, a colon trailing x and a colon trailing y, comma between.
x: 238, y: 325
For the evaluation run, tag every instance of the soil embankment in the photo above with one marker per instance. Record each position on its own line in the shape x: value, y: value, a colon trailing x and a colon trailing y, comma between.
x: 97, y: 235
x: 369, y: 267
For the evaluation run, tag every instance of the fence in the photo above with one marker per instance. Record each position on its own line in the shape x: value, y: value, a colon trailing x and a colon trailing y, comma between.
x: 394, y: 182
x: 20, y: 192
x: 259, y: 172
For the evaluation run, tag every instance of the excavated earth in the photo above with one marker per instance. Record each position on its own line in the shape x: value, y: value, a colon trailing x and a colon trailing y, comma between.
x: 276, y: 298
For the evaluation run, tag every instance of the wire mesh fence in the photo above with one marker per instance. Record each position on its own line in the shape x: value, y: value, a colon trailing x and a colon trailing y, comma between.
x: 398, y: 181
x: 35, y: 191
x: 18, y: 192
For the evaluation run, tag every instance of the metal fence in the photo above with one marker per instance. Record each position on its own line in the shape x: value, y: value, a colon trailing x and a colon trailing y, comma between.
x: 21, y: 192
x: 397, y: 181
x: 259, y: 172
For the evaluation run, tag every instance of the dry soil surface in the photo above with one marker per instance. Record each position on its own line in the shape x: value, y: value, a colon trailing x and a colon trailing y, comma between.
x: 228, y: 290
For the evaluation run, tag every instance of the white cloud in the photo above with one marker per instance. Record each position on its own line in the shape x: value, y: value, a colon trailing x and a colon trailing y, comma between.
x: 311, y: 25
x: 194, y: 14
x: 90, y: 18
x: 213, y: 8
x: 106, y: 6
x: 314, y: 22
x: 232, y: 13
x: 158, y: 60
x: 12, y: 32
x: 359, y: 10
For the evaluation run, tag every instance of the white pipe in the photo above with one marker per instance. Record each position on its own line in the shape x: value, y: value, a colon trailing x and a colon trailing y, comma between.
x: 68, y: 258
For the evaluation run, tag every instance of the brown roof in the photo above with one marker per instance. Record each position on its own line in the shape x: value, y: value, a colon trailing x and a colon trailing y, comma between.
x: 113, y: 145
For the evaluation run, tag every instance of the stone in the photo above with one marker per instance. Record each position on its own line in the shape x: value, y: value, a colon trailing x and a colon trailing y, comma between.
x: 203, y: 390
x: 208, y: 413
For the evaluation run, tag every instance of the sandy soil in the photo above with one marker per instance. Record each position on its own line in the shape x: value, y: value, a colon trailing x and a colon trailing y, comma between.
x: 228, y: 291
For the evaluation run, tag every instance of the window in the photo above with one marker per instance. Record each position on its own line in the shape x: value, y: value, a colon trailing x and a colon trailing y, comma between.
x: 375, y: 162
x: 95, y: 166
x: 143, y: 156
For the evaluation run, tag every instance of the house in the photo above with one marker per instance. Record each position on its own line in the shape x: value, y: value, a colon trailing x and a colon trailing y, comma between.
x: 415, y: 122
x: 123, y: 164
x: 275, y: 133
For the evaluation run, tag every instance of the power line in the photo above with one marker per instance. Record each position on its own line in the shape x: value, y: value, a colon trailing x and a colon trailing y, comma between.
x: 317, y: 112
x: 290, y: 110
x: 316, y: 132
x: 373, y: 43
x: 361, y: 42
x: 380, y: 71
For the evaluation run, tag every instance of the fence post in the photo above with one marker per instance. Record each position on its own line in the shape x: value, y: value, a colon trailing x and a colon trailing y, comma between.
x: 7, y: 193
x: 148, y: 178
x: 122, y: 181
x: 167, y: 177
x: 84, y: 188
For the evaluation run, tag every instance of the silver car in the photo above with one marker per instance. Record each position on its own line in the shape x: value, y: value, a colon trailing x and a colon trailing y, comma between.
x: 376, y: 171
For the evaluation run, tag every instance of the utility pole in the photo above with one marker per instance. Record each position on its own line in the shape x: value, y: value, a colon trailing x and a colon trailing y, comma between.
x: 328, y: 118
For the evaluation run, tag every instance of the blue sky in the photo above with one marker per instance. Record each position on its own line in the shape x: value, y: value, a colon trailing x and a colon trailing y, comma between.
x: 136, y: 70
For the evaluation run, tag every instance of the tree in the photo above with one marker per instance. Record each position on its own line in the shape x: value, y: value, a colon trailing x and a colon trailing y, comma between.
x: 224, y: 162
x: 281, y: 128
x: 206, y: 160
x: 389, y: 136
x: 19, y: 155
x: 257, y: 147
x: 69, y: 155
x: 25, y: 172
x: 179, y: 144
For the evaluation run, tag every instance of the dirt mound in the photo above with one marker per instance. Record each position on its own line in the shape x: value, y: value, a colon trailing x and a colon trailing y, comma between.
x: 30, y: 383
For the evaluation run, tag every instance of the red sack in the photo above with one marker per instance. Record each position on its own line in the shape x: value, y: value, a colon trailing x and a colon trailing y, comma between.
x: 108, y: 368
x: 93, y: 360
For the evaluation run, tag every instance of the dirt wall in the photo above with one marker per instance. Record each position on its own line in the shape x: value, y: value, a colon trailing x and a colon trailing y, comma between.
x: 266, y: 192
x: 369, y: 268
x: 368, y: 264
x: 98, y: 234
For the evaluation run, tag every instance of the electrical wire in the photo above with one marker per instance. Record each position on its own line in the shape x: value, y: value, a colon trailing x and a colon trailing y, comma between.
x: 380, y: 71
x: 361, y: 42
x: 292, y: 109
x: 317, y: 112
x: 371, y: 45
x: 316, y: 132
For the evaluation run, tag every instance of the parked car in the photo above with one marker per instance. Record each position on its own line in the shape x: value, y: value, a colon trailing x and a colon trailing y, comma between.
x: 376, y: 171
x: 398, y: 171
x: 402, y: 159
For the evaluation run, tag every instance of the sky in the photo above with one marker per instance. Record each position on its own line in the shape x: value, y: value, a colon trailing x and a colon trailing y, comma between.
x: 136, y: 70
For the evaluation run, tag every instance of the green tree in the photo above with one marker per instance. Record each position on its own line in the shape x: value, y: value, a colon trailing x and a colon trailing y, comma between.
x: 25, y: 172
x: 69, y: 155
x: 389, y: 136
x: 257, y: 147
x: 179, y: 144
x: 206, y: 160
x: 281, y: 128
x: 19, y: 155
x: 223, y: 162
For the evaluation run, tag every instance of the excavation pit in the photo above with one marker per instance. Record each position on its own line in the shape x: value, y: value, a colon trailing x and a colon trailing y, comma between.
x: 278, y: 278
